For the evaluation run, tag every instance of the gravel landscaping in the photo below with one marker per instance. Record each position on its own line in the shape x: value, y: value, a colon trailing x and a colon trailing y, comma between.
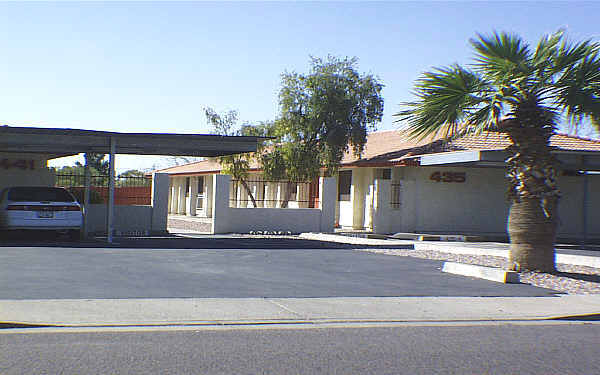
x: 202, y: 226
x: 568, y: 279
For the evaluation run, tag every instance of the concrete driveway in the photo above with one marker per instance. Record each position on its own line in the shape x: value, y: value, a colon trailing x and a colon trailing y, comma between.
x: 225, y: 267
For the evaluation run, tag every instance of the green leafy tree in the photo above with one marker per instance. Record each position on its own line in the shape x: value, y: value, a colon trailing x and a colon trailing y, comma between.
x: 236, y: 165
x: 97, y: 163
x: 323, y: 114
x: 133, y: 177
x: 132, y: 173
x: 523, y: 92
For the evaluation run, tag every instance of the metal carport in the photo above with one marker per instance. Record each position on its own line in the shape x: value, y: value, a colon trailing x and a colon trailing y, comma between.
x: 65, y: 142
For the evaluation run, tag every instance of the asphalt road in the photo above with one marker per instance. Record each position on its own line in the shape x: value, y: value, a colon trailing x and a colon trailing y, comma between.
x: 480, y: 349
x: 34, y: 272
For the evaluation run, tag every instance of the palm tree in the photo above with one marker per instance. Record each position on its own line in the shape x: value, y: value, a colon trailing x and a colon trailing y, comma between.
x: 524, y: 93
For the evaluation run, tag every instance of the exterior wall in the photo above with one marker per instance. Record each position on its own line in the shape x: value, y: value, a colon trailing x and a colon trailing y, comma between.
x: 477, y: 206
x: 208, y: 195
x: 128, y: 219
x: 134, y: 219
x: 328, y: 195
x: 385, y: 217
x: 361, y: 179
x: 572, y: 207
x: 243, y: 220
x: 474, y: 206
x: 16, y: 170
x: 593, y: 207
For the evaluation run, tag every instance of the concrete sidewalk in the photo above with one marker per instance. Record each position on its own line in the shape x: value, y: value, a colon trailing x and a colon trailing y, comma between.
x: 217, y: 311
x: 564, y: 256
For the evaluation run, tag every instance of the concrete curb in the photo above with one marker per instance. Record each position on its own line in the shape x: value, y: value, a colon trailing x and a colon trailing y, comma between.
x: 355, y: 240
x: 222, y: 311
x: 482, y: 272
x: 490, y: 249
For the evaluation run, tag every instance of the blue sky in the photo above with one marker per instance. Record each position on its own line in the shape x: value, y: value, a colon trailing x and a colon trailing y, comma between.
x: 152, y: 67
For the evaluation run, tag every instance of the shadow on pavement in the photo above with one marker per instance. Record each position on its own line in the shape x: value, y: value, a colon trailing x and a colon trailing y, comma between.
x: 167, y: 241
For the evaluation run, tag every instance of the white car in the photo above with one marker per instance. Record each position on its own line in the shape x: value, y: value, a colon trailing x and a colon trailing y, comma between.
x: 40, y: 208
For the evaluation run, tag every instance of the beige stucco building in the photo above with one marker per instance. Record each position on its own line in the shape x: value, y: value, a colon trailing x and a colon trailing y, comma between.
x: 451, y: 187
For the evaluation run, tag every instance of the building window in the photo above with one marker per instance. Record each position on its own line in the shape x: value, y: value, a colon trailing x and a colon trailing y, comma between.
x: 187, y: 186
x: 344, y: 184
x: 384, y: 174
x: 396, y: 198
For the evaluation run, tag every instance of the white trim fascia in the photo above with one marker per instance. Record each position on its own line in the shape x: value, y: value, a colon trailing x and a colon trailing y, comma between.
x: 451, y: 157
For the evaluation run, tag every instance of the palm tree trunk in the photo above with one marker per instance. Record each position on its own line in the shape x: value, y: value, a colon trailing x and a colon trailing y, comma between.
x: 532, y: 221
x: 532, y: 235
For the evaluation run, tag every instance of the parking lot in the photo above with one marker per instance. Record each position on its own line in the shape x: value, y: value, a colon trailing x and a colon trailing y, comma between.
x: 223, y: 267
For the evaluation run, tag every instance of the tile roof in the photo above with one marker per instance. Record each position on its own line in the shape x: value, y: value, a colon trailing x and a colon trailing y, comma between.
x: 207, y: 165
x: 392, y: 147
x: 210, y: 165
x: 500, y: 141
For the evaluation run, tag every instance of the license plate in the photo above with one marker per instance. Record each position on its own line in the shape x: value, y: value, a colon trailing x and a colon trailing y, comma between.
x: 45, y: 214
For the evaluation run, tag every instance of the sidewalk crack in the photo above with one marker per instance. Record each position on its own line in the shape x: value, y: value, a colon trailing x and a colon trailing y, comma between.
x: 280, y: 305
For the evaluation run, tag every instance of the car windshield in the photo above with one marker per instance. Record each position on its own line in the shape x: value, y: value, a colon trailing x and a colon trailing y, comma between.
x: 39, y: 194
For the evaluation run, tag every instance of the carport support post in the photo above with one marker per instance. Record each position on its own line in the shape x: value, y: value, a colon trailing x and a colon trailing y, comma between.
x: 86, y: 196
x: 111, y: 190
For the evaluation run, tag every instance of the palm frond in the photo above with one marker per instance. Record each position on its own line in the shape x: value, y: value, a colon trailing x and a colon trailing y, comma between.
x: 546, y: 51
x: 502, y: 57
x: 578, y: 91
x: 569, y: 54
x: 486, y: 117
x: 558, y: 78
x: 446, y: 98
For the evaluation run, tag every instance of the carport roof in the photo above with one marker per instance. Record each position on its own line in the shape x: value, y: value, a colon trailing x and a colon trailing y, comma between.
x: 63, y: 142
